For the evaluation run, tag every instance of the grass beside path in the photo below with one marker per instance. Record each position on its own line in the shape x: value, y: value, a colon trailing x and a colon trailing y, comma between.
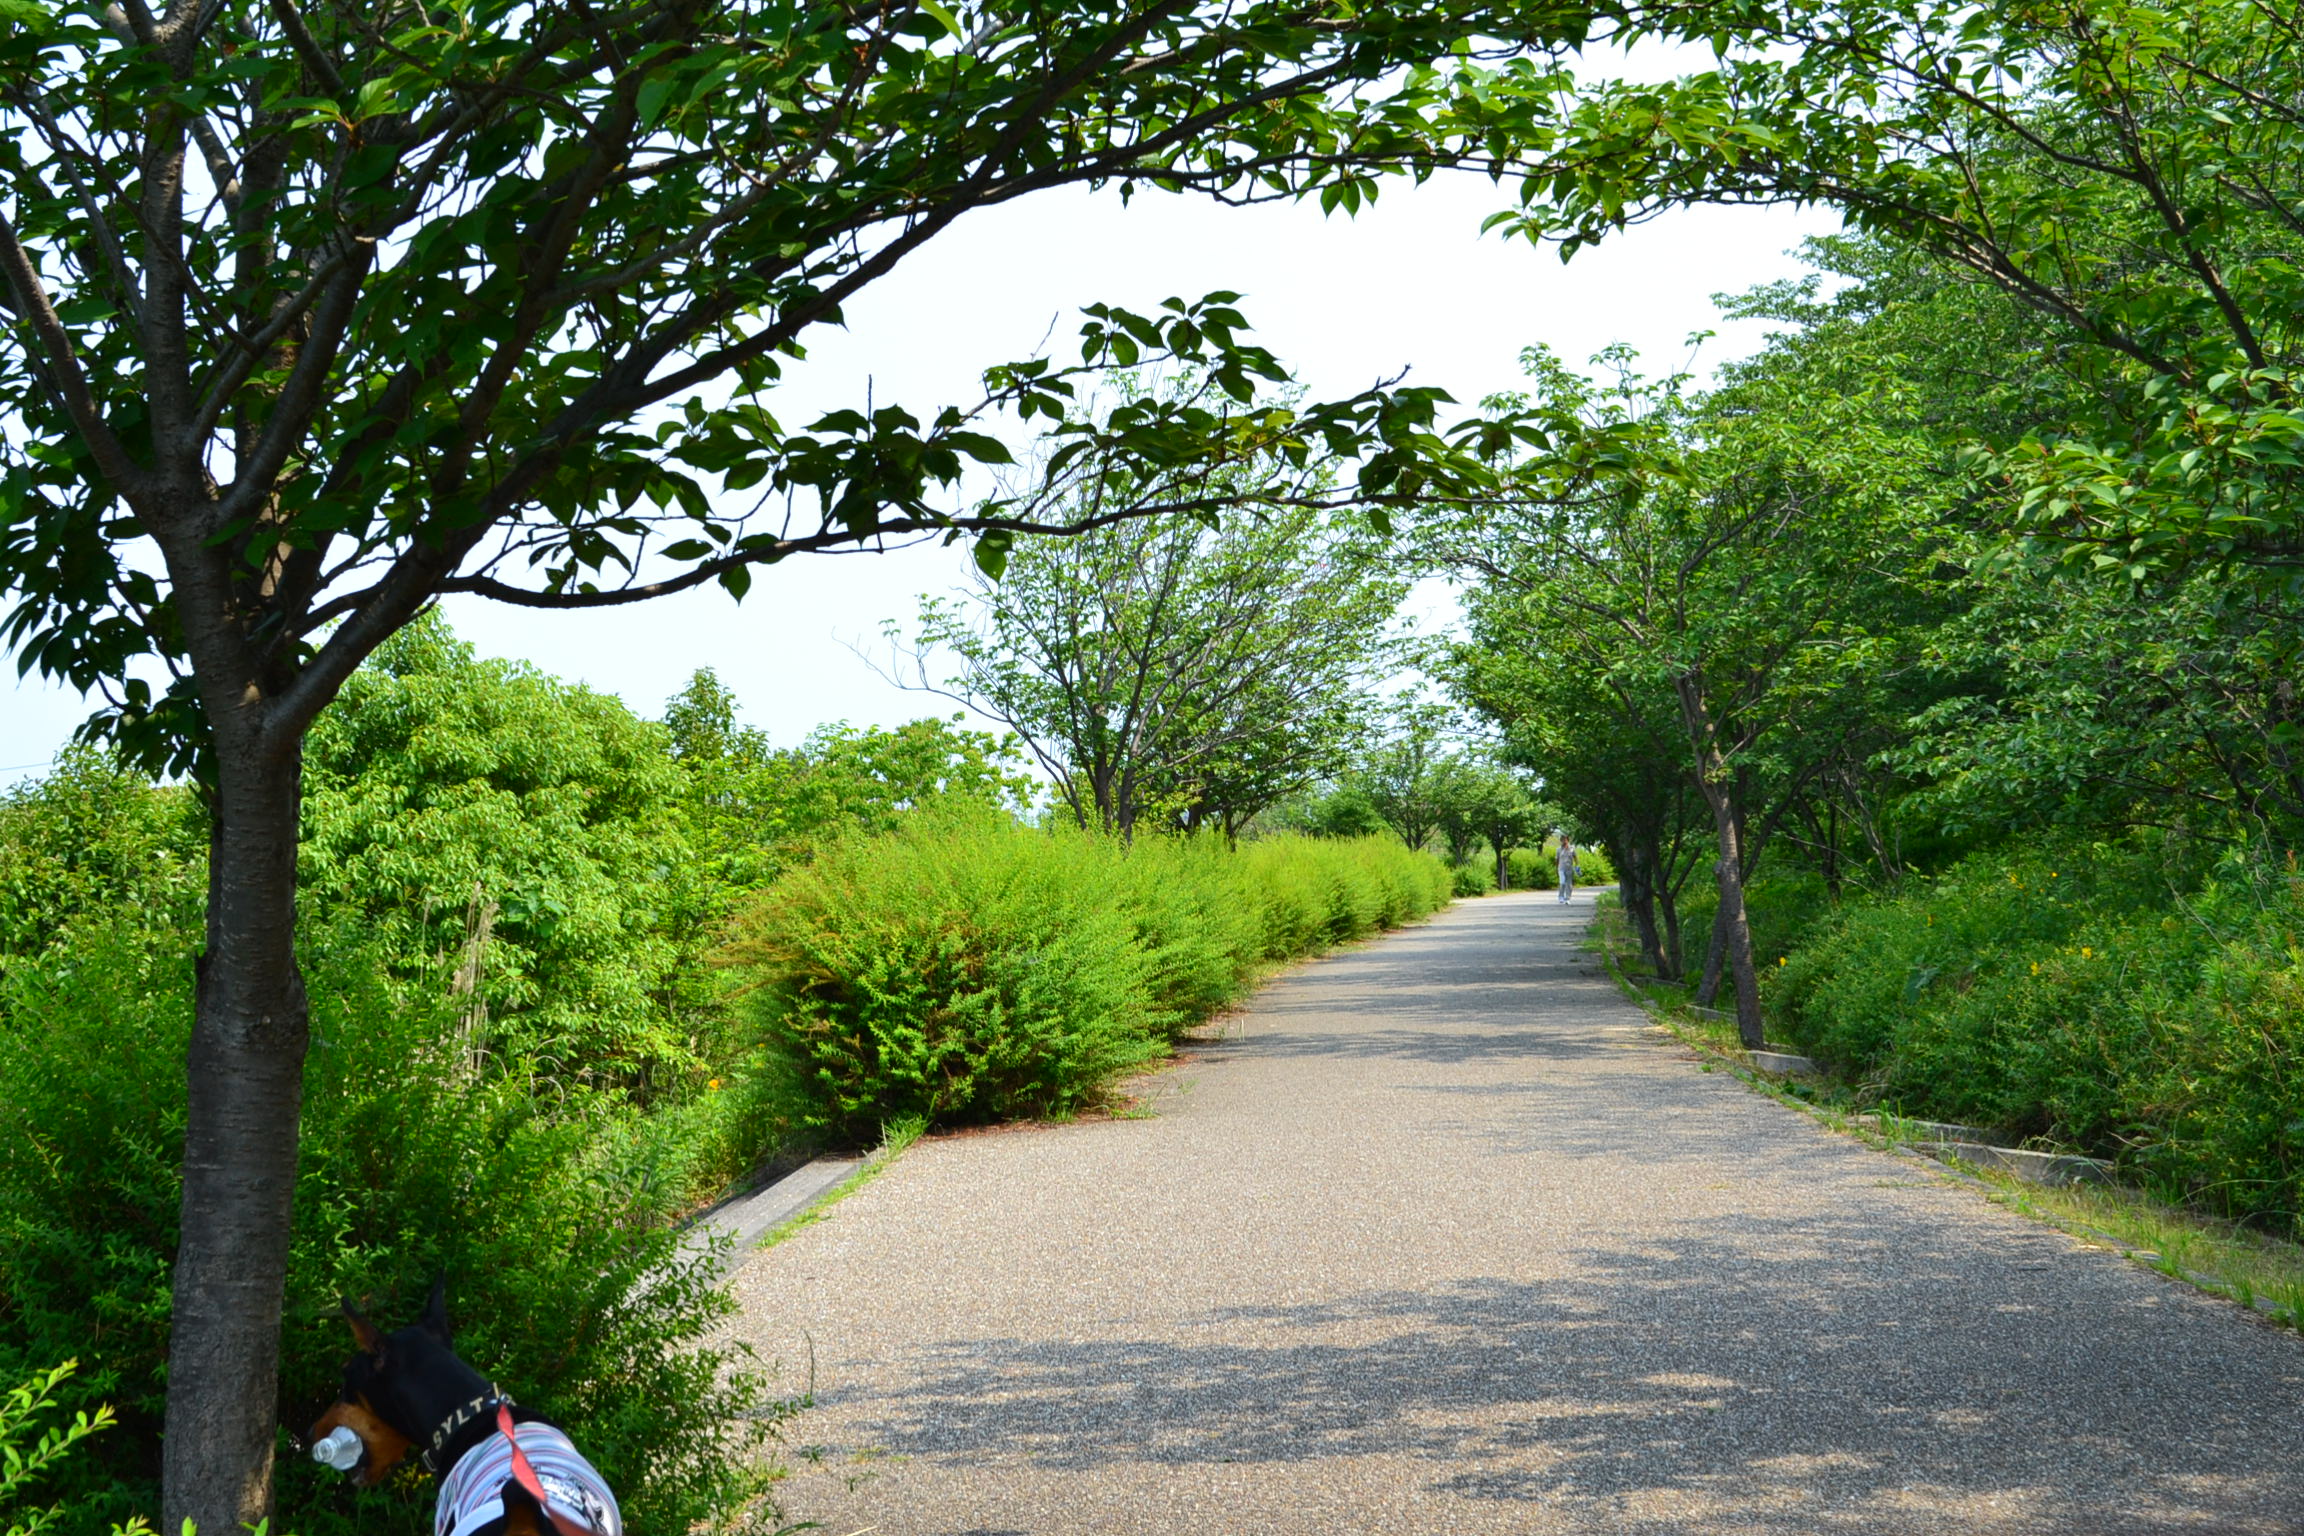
x: 2218, y: 1257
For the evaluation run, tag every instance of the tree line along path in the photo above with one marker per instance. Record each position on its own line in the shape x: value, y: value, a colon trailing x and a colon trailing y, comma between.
x: 1445, y: 1236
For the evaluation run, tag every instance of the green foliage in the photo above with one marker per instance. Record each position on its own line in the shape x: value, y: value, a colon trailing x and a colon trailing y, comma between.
x: 754, y: 808
x: 1479, y: 803
x: 558, y: 867
x: 966, y: 967
x: 1179, y: 672
x: 551, y: 1221
x: 1337, y: 810
x: 21, y: 1464
x: 1476, y: 878
x: 1593, y: 865
x: 1310, y: 893
x: 91, y: 838
x: 2118, y: 997
x: 513, y: 841
x: 964, y: 970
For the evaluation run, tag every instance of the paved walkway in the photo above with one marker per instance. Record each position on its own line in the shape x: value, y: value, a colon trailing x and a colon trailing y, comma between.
x: 1445, y: 1239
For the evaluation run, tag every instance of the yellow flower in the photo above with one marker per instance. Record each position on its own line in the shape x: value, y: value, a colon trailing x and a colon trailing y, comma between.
x: 2035, y: 967
x: 1779, y: 959
x: 714, y: 1084
x: 2086, y: 953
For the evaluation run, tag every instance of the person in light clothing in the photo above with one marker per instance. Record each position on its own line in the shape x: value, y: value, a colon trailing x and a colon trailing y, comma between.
x: 1567, y: 869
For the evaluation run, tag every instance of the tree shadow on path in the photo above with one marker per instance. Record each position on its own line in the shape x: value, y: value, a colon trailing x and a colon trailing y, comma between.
x: 1730, y: 1368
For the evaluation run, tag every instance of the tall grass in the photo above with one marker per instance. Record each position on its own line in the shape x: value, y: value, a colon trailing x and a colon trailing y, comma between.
x: 969, y: 968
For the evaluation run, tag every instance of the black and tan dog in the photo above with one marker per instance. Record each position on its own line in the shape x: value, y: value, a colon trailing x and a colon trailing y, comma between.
x: 503, y: 1471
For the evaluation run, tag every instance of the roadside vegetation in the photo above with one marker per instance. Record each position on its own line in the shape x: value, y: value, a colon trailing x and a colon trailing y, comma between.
x: 574, y: 974
x: 2160, y: 1223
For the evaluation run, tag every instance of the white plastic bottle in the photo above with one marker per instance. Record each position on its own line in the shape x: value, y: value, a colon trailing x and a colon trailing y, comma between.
x: 339, y: 1448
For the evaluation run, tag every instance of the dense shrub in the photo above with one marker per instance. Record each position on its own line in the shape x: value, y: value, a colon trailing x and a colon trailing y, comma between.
x: 1475, y: 878
x: 967, y: 967
x: 2104, y: 995
x: 92, y: 840
x: 551, y: 1220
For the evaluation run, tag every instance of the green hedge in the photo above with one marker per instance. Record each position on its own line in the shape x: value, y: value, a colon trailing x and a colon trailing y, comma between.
x: 1475, y: 877
x: 2101, y: 995
x: 968, y: 968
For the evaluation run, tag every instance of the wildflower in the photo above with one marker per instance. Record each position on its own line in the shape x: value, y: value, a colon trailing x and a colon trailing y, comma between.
x: 714, y: 1085
x: 2086, y: 953
x: 2035, y: 967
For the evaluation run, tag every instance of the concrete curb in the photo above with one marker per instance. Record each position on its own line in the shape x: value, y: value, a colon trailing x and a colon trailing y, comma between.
x: 1973, y: 1144
x: 1904, y: 1129
x: 1782, y: 1064
x: 2032, y: 1167
x: 749, y: 1218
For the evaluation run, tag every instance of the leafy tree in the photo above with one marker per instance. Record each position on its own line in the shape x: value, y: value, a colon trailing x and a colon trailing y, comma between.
x: 317, y: 313
x: 1744, y: 557
x: 2126, y: 172
x: 89, y: 838
x: 755, y: 807
x: 1340, y: 809
x: 1457, y: 781
x: 515, y: 843
x: 1172, y: 668
x: 2107, y: 711
x: 1608, y: 750
x: 2051, y: 695
x: 1480, y: 802
x: 1397, y: 774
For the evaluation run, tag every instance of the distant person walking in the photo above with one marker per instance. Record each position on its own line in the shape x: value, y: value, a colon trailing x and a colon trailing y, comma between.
x: 1567, y: 869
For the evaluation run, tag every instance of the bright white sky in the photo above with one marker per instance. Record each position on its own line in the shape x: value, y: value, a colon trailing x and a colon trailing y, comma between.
x: 1408, y: 284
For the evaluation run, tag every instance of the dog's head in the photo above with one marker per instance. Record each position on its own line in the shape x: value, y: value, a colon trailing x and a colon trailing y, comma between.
x: 399, y: 1387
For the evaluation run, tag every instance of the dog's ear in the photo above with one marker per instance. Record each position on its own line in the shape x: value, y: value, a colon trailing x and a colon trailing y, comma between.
x: 364, y: 1333
x: 435, y: 1318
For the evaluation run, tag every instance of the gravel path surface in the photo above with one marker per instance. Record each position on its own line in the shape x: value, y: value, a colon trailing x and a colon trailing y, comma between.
x: 1444, y: 1237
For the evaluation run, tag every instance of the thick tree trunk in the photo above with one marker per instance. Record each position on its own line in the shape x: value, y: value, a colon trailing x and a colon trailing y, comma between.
x: 1636, y: 887
x: 1669, y: 907
x: 1735, y: 925
x: 1715, y: 957
x: 246, y: 1079
x: 1731, y: 926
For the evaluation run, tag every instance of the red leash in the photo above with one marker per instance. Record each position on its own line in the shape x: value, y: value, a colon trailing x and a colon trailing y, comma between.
x: 524, y: 1473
